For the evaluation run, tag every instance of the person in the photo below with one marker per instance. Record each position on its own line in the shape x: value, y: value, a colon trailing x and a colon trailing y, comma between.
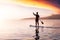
x: 36, y: 19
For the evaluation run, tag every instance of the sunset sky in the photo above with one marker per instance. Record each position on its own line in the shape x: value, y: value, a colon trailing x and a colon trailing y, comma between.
x: 16, y: 9
x: 12, y: 27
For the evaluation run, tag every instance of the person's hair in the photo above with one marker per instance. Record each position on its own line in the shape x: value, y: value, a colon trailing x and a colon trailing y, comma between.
x: 36, y: 12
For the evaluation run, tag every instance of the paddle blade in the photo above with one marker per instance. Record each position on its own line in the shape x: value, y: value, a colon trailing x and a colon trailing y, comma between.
x: 42, y: 22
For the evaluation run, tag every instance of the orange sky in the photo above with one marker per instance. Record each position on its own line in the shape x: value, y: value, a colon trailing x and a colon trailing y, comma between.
x: 39, y: 4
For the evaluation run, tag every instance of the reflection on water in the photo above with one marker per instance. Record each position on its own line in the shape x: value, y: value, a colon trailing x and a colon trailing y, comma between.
x: 20, y: 30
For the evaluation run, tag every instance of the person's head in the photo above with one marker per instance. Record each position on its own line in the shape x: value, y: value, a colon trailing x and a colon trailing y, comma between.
x: 37, y: 13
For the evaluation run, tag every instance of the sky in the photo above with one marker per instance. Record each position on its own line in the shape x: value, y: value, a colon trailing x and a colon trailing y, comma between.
x: 17, y: 9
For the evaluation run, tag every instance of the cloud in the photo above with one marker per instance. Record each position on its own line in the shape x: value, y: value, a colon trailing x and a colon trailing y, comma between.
x: 53, y: 2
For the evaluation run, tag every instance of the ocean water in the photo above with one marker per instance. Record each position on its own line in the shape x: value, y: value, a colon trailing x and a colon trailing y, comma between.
x: 20, y: 30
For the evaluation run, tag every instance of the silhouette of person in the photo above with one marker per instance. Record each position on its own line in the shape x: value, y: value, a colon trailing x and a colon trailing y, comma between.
x: 36, y: 19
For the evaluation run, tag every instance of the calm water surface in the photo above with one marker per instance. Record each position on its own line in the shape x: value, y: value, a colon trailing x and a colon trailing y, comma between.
x: 20, y: 30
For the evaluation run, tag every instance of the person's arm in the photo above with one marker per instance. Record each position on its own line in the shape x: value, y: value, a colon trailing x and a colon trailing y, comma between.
x: 34, y: 14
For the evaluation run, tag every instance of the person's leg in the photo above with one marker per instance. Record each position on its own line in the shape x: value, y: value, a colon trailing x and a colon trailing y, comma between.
x: 35, y: 23
x: 38, y: 23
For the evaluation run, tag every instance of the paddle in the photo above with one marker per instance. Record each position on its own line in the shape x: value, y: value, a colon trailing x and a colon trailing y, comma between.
x: 42, y: 21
